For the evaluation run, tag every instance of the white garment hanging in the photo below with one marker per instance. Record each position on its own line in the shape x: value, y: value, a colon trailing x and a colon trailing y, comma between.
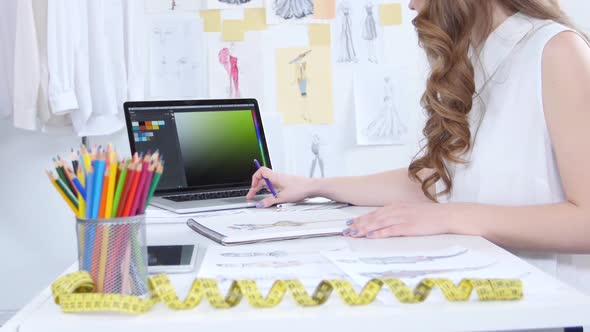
x: 135, y: 49
x: 7, y: 40
x: 512, y: 160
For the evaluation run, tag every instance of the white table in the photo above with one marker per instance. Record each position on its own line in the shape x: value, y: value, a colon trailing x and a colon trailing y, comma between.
x: 560, y: 306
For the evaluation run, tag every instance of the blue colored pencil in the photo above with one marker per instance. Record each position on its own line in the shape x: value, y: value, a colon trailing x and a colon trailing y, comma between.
x: 98, y: 181
x: 89, y: 231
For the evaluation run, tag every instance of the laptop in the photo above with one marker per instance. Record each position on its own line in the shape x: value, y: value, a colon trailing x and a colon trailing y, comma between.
x: 209, y: 147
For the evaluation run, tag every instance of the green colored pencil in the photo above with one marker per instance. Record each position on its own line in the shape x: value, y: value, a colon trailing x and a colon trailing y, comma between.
x: 67, y: 191
x: 119, y: 189
x: 154, y: 184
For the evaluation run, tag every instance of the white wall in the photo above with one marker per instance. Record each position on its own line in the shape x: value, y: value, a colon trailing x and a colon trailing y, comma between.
x: 37, y: 239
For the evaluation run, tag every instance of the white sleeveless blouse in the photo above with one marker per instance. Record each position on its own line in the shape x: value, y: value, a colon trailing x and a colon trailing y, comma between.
x: 512, y: 160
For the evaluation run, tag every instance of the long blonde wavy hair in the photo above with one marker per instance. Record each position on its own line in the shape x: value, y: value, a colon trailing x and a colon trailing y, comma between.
x: 447, y: 29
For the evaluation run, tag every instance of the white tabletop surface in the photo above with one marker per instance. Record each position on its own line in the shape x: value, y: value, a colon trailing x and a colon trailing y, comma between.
x: 557, y: 306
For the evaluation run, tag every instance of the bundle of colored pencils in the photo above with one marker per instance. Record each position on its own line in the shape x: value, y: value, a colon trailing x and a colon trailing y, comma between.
x: 96, y: 185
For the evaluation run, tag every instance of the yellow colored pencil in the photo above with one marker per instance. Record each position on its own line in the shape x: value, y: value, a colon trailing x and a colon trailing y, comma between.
x: 111, y: 187
x: 53, y: 180
x: 81, y: 202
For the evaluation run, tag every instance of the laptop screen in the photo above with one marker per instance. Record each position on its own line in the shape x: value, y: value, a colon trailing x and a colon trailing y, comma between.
x: 206, y: 145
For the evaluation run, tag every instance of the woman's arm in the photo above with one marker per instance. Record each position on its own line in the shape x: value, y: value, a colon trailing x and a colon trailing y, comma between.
x: 557, y: 227
x: 370, y: 190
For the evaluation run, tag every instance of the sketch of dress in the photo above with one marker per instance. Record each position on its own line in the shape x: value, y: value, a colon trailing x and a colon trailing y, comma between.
x: 370, y: 33
x: 400, y: 259
x: 278, y: 224
x: 419, y: 273
x: 387, y: 124
x: 300, y: 63
x: 230, y: 63
x: 317, y: 159
x: 289, y: 9
x: 234, y: 2
x: 347, y: 51
x: 255, y: 254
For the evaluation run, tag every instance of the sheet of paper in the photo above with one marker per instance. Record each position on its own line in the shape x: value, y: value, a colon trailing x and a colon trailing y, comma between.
x: 324, y: 9
x: 266, y: 263
x: 289, y: 11
x: 455, y: 263
x: 268, y: 224
x: 234, y: 68
x: 177, y: 57
x: 232, y: 30
x: 358, y: 37
x: 390, y: 14
x: 304, y: 85
x: 211, y: 20
x: 379, y: 118
x: 171, y: 6
x: 228, y: 4
x: 320, y: 34
x: 254, y: 19
x: 315, y: 151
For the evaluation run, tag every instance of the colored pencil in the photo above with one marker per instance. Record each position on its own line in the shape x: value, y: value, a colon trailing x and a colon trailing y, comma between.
x: 126, y: 188
x: 104, y: 192
x: 72, y: 177
x: 155, y: 182
x: 98, y: 181
x: 53, y: 180
x: 132, y: 190
x: 89, y: 192
x: 140, y: 186
x: 120, y: 187
x: 111, y: 186
x: 146, y: 188
x: 81, y: 195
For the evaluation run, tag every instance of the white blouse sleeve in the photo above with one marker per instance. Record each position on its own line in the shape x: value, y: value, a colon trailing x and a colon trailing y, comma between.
x: 60, y: 54
x: 27, y: 75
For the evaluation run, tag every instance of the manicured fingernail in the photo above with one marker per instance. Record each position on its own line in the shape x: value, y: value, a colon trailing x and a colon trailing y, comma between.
x: 346, y: 232
x: 259, y: 205
x: 353, y: 233
x: 350, y: 222
x: 371, y: 234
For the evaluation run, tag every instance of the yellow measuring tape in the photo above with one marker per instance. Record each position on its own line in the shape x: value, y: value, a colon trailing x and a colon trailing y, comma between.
x: 74, y: 293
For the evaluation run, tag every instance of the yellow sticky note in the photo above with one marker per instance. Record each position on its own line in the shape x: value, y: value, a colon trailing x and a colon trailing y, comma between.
x: 211, y: 20
x: 254, y: 19
x: 324, y: 9
x: 319, y: 34
x: 232, y: 30
x: 390, y: 14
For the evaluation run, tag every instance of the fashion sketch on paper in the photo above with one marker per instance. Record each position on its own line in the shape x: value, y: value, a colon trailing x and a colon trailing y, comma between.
x: 300, y: 63
x: 387, y: 124
x: 317, y: 159
x: 293, y: 9
x: 278, y: 224
x: 230, y: 62
x: 419, y: 273
x: 400, y: 259
x: 370, y: 33
x: 234, y: 2
x: 347, y: 50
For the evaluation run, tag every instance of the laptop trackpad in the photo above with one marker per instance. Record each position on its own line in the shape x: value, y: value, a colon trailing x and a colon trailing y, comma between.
x: 234, y: 200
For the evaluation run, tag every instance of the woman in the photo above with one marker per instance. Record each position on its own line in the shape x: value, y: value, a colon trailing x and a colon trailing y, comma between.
x: 506, y: 137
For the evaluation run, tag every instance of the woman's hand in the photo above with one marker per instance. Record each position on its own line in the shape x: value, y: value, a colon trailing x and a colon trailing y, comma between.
x: 289, y: 188
x: 402, y: 219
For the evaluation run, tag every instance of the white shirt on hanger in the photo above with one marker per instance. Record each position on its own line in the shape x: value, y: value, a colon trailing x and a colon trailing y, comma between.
x: 7, y: 40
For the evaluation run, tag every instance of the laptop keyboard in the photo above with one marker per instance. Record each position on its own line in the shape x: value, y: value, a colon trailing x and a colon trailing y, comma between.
x: 212, y: 195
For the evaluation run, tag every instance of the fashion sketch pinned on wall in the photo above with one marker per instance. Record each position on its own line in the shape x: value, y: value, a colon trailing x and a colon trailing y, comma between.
x: 304, y: 85
x: 289, y: 11
x: 234, y: 68
x: 228, y: 4
x: 370, y: 34
x: 358, y: 33
x: 177, y: 68
x: 378, y: 116
x: 171, y: 6
x: 347, y: 51
x: 314, y: 151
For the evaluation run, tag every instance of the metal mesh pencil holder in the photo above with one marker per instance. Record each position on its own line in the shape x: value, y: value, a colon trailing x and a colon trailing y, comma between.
x: 114, y: 252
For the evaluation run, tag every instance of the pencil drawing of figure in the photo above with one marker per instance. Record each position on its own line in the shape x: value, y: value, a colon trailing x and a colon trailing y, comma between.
x: 347, y: 51
x: 234, y: 2
x: 419, y: 273
x: 278, y: 224
x: 173, y: 5
x: 230, y: 63
x: 387, y: 123
x: 370, y: 33
x: 317, y: 159
x: 300, y: 63
x: 290, y: 9
x: 255, y: 254
x: 400, y: 259
x: 272, y: 265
